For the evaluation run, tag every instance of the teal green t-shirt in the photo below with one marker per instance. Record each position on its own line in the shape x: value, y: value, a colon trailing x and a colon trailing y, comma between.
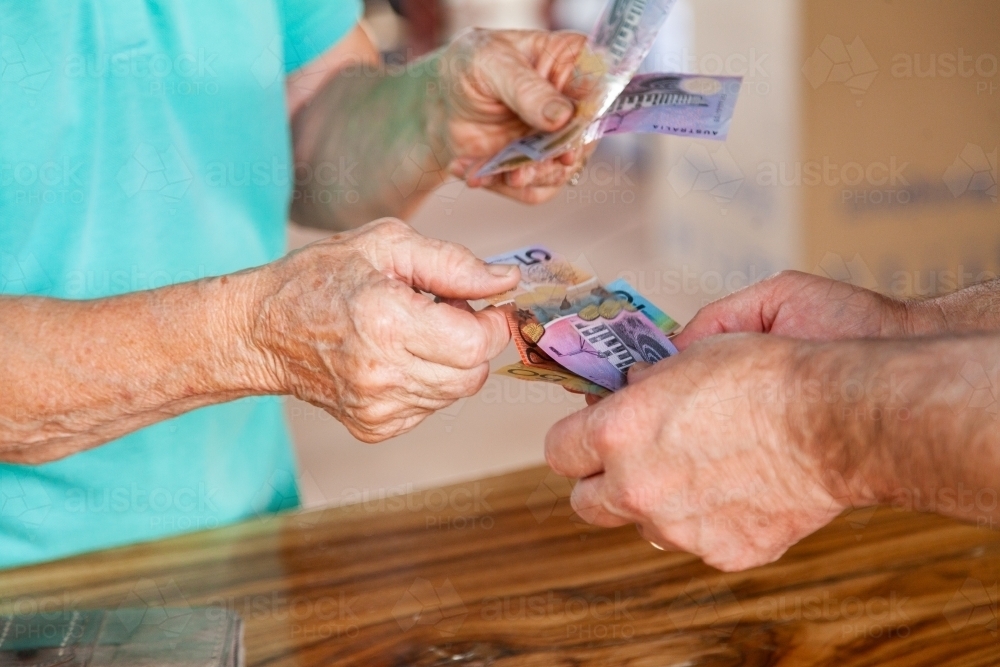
x: 144, y: 143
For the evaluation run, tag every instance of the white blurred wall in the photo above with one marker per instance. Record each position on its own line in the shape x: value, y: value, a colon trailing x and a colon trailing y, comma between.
x: 708, y: 215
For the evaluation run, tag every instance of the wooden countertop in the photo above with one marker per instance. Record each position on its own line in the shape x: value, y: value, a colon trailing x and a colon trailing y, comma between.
x: 497, y: 572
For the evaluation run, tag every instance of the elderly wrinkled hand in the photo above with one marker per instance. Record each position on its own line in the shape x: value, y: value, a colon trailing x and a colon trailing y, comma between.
x: 497, y: 86
x: 802, y: 305
x: 340, y: 325
x: 702, y: 452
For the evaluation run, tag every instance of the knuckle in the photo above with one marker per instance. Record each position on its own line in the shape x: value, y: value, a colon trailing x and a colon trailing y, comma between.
x: 470, y: 351
x: 470, y: 383
x: 628, y: 499
x: 786, y: 276
x: 603, y: 434
x: 390, y: 228
x: 372, y: 383
x: 378, y: 415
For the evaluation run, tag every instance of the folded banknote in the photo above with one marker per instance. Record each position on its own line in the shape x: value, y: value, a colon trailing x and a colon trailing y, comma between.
x: 680, y: 104
x: 540, y: 267
x: 576, y: 332
x: 553, y: 373
x: 617, y: 46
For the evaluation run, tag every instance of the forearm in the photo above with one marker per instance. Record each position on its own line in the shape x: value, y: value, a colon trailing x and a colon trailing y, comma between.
x: 975, y: 308
x: 366, y: 146
x: 911, y: 423
x: 76, y: 374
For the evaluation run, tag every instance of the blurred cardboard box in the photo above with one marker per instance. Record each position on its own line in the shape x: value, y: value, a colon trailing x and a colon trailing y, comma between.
x: 864, y: 146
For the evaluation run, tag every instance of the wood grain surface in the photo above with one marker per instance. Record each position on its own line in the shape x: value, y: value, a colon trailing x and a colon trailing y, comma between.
x: 498, y: 572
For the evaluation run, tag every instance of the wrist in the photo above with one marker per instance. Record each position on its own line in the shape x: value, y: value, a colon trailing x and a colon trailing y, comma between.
x: 923, y: 317
x: 243, y: 360
x: 430, y: 74
x: 838, y: 417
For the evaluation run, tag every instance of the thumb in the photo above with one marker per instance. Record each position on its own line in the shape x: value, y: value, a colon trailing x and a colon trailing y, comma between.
x: 515, y: 82
x: 451, y: 271
x: 747, y: 310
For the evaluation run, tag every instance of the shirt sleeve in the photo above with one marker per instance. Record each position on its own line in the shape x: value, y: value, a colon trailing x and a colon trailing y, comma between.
x: 313, y: 26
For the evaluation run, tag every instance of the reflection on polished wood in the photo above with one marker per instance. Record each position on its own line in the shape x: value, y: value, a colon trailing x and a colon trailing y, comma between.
x: 497, y: 572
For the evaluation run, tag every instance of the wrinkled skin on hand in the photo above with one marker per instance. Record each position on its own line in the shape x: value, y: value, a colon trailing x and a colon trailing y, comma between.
x: 800, y: 305
x: 697, y: 451
x: 341, y: 326
x: 500, y: 85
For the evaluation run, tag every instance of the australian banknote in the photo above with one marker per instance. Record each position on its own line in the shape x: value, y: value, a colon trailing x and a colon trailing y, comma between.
x: 541, y: 268
x: 617, y: 46
x: 598, y: 335
x: 553, y: 373
x: 678, y: 104
x: 571, y: 330
x: 623, y: 290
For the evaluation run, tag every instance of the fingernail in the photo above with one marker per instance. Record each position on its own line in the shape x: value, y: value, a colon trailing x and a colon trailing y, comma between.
x: 501, y: 270
x: 557, y: 110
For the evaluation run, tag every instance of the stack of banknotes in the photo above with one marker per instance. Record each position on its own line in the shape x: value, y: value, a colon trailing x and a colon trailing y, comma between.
x: 571, y: 330
x: 614, y: 102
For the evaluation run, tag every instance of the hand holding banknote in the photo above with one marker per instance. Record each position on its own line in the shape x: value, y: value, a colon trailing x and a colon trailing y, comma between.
x: 339, y: 324
x: 699, y: 452
x: 496, y: 86
x: 613, y: 102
